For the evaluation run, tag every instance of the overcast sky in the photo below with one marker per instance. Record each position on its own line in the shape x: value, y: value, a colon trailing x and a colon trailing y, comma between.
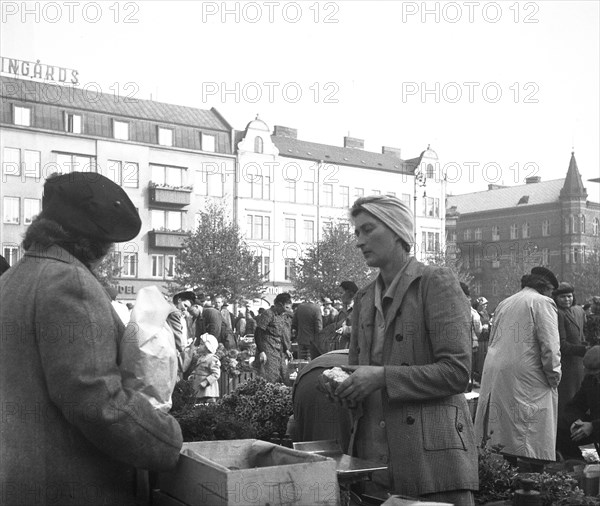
x: 500, y: 90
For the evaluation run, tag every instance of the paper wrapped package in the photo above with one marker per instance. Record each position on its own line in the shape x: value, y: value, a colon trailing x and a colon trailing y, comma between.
x: 148, y: 355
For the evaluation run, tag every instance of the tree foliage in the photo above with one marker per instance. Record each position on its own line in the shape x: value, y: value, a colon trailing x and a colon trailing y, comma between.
x: 585, y: 278
x: 335, y: 258
x: 216, y: 260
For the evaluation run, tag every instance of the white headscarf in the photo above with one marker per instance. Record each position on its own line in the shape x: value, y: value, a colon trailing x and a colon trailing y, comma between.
x: 392, y: 212
x: 210, y: 341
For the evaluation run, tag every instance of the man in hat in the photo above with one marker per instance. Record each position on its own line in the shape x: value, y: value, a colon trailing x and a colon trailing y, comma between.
x: 71, y: 421
x: 518, y: 400
x: 410, y: 350
x: 582, y: 414
x: 336, y: 335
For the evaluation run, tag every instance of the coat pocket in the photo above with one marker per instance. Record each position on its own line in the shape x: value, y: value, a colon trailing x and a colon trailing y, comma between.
x: 443, y: 427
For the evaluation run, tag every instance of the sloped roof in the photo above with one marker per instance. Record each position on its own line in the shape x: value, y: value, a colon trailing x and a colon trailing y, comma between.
x: 573, y: 183
x: 305, y: 150
x: 90, y: 100
x: 544, y: 192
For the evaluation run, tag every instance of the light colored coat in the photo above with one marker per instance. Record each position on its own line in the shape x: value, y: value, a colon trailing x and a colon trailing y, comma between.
x: 518, y: 400
x: 70, y: 433
x: 427, y: 356
x: 205, y: 376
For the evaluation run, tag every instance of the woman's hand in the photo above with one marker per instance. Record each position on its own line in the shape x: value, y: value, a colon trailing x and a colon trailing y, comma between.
x: 580, y: 430
x: 363, y: 381
x: 262, y: 357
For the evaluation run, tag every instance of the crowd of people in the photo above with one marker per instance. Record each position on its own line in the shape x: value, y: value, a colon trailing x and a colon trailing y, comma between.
x: 410, y: 343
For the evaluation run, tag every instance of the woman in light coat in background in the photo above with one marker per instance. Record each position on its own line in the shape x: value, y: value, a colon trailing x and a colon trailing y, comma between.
x: 518, y: 400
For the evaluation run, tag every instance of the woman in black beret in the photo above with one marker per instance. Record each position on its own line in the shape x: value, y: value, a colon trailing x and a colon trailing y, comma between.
x: 74, y: 433
x: 571, y: 322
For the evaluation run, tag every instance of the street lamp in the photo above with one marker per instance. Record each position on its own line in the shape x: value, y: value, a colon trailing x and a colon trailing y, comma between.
x: 419, y: 181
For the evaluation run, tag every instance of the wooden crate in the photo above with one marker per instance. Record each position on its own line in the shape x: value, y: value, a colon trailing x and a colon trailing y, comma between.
x: 250, y: 472
x: 228, y: 384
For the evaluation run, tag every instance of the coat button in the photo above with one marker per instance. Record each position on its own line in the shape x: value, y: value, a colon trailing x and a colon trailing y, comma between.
x: 410, y: 420
x: 382, y: 424
x: 459, y: 427
x: 399, y: 337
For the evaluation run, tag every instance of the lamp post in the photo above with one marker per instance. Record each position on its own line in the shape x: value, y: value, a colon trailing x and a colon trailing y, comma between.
x: 419, y: 181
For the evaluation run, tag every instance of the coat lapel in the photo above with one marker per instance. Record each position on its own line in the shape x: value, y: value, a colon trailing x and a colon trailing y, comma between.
x: 413, y: 270
x: 367, y: 317
x: 571, y: 317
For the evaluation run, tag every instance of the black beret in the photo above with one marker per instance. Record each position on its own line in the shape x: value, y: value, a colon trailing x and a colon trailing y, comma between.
x: 91, y: 205
x: 547, y: 274
x: 349, y: 285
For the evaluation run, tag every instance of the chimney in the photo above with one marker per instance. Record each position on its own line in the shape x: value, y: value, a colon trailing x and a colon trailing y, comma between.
x: 282, y: 131
x: 532, y: 179
x: 386, y: 150
x: 353, y: 142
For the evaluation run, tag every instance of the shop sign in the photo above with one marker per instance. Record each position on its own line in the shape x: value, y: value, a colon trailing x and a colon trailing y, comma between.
x: 38, y: 71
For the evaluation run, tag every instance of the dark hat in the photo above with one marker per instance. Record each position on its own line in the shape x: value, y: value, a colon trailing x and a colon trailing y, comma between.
x: 349, y: 285
x: 91, y: 205
x: 187, y: 295
x: 591, y: 360
x: 547, y: 274
x: 563, y: 288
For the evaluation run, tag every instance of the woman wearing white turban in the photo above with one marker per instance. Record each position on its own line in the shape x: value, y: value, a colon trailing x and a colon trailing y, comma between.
x: 411, y: 348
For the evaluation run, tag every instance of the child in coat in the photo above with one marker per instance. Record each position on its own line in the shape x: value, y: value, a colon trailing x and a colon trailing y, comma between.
x: 205, y: 369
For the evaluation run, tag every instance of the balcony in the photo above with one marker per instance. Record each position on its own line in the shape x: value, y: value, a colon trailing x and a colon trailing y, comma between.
x: 166, y: 239
x: 170, y: 196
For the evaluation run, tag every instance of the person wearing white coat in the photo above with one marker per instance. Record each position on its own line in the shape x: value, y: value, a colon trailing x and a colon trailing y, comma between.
x: 518, y: 400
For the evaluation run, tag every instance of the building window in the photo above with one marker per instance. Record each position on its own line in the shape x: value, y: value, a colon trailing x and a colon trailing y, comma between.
x: 494, y: 287
x: 430, y: 173
x: 526, y: 230
x: 11, y: 210
x: 130, y: 265
x: 582, y: 223
x: 11, y: 163
x: 22, y: 116
x: 514, y: 231
x: 33, y: 163
x: 258, y: 145
x: 596, y: 227
x: 327, y: 226
x: 290, y: 267
x: 260, y: 187
x: 169, y: 266
x: 467, y: 234
x: 290, y: 186
x: 68, y: 162
x: 545, y: 256
x: 431, y: 207
x: 309, y: 231
x: 201, y: 182
x: 264, y: 269
x: 566, y: 225
x: 120, y: 130
x: 345, y: 194
x: 359, y: 192
x: 476, y: 287
x: 73, y: 123
x: 405, y: 197
x: 11, y: 254
x: 209, y: 142
x: 309, y: 192
x: 164, y: 175
x: 496, y: 259
x: 166, y: 220
x: 158, y: 266
x: 495, y: 233
x: 452, y: 235
x: 290, y: 230
x: 478, y: 234
x: 376, y: 192
x: 31, y: 208
x: 546, y: 228
x: 477, y: 260
x: 123, y: 173
x: 165, y: 136
x: 259, y: 227
x: 431, y: 241
x: 328, y: 195
x: 391, y: 194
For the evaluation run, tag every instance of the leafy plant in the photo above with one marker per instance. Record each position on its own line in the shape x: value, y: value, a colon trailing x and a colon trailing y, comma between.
x: 496, y: 476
